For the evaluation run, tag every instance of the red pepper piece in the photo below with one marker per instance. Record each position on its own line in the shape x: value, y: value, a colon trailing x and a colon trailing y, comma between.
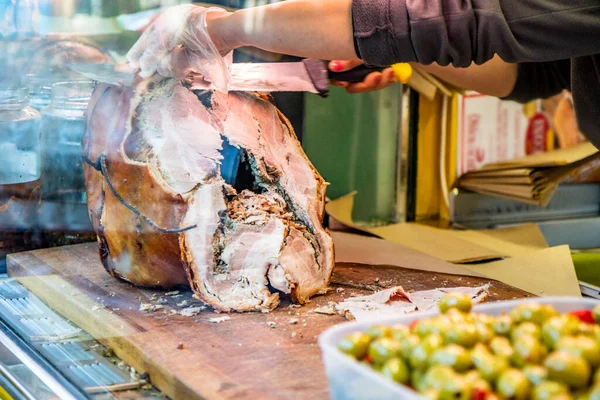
x: 479, y: 394
x: 584, y: 316
x: 412, y: 325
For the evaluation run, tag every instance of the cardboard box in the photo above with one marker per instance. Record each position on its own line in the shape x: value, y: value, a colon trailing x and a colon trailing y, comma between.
x: 491, y: 130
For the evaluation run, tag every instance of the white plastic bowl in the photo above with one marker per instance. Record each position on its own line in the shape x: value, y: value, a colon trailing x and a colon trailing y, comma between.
x: 348, y: 379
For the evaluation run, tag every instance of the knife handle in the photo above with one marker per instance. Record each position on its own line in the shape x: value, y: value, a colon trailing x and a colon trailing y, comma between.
x: 320, y: 74
x: 354, y: 75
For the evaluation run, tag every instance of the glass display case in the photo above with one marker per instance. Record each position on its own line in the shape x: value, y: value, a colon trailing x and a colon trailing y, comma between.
x: 44, y: 354
x: 68, y: 329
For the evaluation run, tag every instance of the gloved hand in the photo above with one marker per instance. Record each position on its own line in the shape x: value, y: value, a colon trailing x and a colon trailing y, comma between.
x: 184, y: 25
x: 373, y: 81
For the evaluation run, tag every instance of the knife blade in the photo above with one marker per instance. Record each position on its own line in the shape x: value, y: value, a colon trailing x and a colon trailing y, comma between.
x: 308, y: 75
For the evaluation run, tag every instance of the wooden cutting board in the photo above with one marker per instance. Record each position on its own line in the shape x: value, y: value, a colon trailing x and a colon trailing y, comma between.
x: 249, y: 356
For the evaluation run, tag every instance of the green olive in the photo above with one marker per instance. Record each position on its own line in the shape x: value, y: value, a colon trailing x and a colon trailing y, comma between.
x: 594, y: 393
x: 548, y: 312
x: 462, y: 334
x: 527, y: 350
x: 557, y: 327
x: 428, y: 326
x: 527, y: 312
x: 532, y: 312
x: 383, y: 349
x: 455, y: 389
x: 484, y: 331
x: 452, y: 355
x: 581, y: 346
x: 596, y: 313
x: 436, y: 376
x: 548, y: 390
x: 493, y: 368
x: 525, y: 328
x: 399, y: 332
x: 585, y: 329
x: 458, y: 300
x: 535, y: 374
x: 567, y: 368
x: 419, y: 358
x: 431, y: 394
x: 513, y: 384
x: 487, y: 320
x: 503, y: 325
x: 448, y: 384
x: 472, y: 376
x: 477, y: 383
x: 378, y: 331
x: 456, y: 316
x: 489, y: 366
x: 355, y: 344
x: 407, y: 345
x: 417, y: 381
x: 565, y: 396
x: 396, y: 370
x: 480, y: 349
x: 501, y: 346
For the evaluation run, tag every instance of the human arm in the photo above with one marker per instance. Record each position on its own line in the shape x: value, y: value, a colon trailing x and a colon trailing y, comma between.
x: 456, y: 32
x: 519, y: 82
x: 421, y: 31
x: 466, y: 37
x: 494, y: 78
x: 305, y: 28
x: 207, y: 35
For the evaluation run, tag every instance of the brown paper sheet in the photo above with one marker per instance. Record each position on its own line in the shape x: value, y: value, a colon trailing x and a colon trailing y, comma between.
x: 451, y: 246
x: 524, y: 172
x: 549, y: 159
x: 540, y: 198
x: 498, y: 180
x: 547, y: 272
x: 353, y: 248
x: 533, y: 267
x: 533, y: 179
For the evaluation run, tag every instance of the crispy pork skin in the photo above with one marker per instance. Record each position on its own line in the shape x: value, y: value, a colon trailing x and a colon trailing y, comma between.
x: 170, y: 208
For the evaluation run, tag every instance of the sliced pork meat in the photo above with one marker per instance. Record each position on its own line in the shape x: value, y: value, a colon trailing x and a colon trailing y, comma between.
x: 208, y: 189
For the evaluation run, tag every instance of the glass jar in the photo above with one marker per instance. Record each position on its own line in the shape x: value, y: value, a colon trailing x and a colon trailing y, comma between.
x: 19, y: 139
x: 62, y: 129
x: 19, y: 169
x: 48, y: 65
x: 40, y: 90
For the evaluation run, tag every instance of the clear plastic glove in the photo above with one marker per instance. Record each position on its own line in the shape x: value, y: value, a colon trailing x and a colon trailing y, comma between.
x: 185, y: 26
x: 373, y: 81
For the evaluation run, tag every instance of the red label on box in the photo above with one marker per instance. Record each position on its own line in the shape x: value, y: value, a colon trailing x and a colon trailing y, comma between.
x: 536, y: 139
x: 491, y: 130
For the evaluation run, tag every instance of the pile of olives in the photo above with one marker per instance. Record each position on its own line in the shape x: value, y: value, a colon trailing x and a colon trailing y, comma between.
x: 532, y: 352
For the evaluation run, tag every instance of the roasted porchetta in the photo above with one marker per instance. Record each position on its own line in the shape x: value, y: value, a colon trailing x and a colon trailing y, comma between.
x: 206, y: 189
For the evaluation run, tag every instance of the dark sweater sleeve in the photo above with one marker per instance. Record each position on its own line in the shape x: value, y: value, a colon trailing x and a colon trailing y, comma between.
x: 541, y: 80
x: 459, y: 32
